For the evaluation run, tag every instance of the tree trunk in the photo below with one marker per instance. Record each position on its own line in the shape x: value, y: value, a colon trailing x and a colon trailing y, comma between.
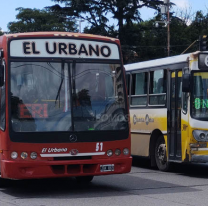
x: 120, y: 24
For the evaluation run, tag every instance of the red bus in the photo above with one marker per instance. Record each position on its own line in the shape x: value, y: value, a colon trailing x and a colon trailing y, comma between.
x: 63, y: 106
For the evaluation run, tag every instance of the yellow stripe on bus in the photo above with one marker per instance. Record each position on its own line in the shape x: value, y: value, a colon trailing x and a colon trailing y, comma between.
x: 179, y: 74
x: 173, y: 75
x: 204, y: 75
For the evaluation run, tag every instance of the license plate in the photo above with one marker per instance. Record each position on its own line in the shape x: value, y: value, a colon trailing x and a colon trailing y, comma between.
x: 107, y: 168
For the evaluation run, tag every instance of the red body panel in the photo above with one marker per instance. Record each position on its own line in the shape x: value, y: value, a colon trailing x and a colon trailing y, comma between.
x: 52, y: 169
x: 47, y: 167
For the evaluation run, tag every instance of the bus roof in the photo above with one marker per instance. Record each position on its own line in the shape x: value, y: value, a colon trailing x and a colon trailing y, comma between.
x: 59, y: 34
x: 157, y: 62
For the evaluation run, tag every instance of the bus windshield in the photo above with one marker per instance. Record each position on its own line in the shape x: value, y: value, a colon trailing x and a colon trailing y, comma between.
x: 200, y: 95
x: 62, y: 96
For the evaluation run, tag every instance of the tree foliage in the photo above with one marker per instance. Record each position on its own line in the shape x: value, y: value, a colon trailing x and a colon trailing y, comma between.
x: 199, y: 26
x: 32, y: 20
x: 98, y: 12
x: 1, y: 32
x: 150, y: 42
x: 140, y: 40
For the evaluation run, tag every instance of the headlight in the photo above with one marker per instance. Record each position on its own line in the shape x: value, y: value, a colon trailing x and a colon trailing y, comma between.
x: 117, y: 152
x: 33, y: 155
x: 14, y: 155
x: 200, y: 135
x: 126, y: 151
x: 24, y: 155
x: 109, y: 153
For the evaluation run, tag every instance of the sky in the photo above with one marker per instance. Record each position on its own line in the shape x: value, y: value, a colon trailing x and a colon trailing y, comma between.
x: 8, y: 12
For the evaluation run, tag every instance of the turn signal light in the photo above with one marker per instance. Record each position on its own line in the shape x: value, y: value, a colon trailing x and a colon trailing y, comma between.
x: 24, y: 155
x: 14, y: 155
x: 117, y: 152
x: 33, y: 155
x: 198, y: 145
x: 109, y: 153
x: 126, y: 151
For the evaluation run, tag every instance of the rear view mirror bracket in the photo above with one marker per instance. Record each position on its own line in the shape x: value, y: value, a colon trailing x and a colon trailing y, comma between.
x: 186, y: 83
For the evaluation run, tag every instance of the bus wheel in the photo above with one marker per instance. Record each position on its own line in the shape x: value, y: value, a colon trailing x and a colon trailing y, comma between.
x: 84, y: 179
x: 160, y: 154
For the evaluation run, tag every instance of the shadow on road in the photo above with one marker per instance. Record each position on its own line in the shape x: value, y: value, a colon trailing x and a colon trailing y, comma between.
x: 102, y: 186
x: 142, y: 162
x: 55, y: 188
x: 105, y: 186
x: 197, y: 170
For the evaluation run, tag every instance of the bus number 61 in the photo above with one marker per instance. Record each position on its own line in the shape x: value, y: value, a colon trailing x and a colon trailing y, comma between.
x: 99, y: 146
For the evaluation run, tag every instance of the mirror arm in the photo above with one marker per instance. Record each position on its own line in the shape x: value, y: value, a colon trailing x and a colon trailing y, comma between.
x: 186, y: 83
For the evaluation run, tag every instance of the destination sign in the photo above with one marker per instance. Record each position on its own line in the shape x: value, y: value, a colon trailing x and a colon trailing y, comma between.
x: 203, y: 61
x: 63, y: 48
x: 201, y: 103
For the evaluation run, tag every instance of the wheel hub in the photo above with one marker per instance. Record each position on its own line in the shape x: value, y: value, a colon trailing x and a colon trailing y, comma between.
x: 161, y: 152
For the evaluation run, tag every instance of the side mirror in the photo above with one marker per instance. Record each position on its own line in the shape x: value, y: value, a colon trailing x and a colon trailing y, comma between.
x: 186, y: 83
x: 1, y: 75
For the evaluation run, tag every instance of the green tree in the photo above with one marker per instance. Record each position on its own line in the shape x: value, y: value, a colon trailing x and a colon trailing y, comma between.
x: 98, y: 12
x: 144, y: 41
x: 179, y: 40
x: 111, y: 32
x: 32, y: 20
x: 198, y: 26
x: 150, y: 42
x: 1, y: 33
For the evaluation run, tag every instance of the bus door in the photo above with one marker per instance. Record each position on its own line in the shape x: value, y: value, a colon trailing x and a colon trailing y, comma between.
x: 174, y: 115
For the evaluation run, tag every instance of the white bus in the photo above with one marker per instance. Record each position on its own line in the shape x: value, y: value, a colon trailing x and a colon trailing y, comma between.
x: 168, y: 100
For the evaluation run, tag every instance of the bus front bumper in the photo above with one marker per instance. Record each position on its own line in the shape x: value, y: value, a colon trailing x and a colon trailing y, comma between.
x: 54, y: 169
x: 199, y: 158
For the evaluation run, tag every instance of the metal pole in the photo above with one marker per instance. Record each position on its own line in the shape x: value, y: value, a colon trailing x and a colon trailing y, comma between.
x: 168, y: 27
x: 80, y: 22
x: 189, y: 46
x: 80, y: 25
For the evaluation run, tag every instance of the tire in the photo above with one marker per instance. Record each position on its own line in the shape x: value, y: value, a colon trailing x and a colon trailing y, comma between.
x: 161, y: 155
x: 84, y: 179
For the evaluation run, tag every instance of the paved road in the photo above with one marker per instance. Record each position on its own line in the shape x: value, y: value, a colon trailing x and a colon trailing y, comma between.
x: 185, y: 185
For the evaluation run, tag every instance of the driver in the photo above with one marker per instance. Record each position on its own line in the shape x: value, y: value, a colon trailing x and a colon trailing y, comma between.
x: 83, y: 94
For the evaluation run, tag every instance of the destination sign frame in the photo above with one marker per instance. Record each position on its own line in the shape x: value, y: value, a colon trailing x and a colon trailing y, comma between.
x: 63, y: 48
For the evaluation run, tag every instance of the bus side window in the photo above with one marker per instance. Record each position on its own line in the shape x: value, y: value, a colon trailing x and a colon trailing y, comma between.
x: 3, y: 104
x: 158, y: 87
x: 139, y: 89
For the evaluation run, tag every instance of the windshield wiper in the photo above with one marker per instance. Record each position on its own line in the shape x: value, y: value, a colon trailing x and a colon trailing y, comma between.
x: 60, y: 86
